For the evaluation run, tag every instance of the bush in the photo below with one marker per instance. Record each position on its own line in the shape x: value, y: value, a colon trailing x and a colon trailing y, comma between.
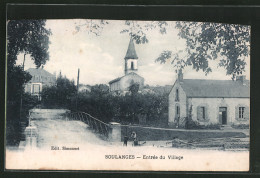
x: 191, y: 124
x: 14, y: 124
x: 60, y: 94
x: 240, y: 126
x: 150, y: 109
x: 211, y: 126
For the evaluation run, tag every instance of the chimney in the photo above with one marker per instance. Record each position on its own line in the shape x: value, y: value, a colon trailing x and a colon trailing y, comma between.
x: 180, y: 75
x: 241, y: 79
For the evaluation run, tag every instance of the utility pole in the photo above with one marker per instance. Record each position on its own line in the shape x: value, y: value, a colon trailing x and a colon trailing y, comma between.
x: 77, y: 90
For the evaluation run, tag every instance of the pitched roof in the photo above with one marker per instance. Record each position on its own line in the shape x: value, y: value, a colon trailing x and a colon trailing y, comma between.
x: 216, y: 88
x: 39, y: 72
x: 119, y: 78
x: 131, y: 53
x: 115, y: 80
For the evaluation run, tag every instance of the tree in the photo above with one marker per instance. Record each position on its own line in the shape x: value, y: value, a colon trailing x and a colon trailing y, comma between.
x: 137, y: 29
x: 91, y: 26
x: 133, y: 88
x: 227, y: 43
x: 230, y: 43
x: 31, y: 38
x: 210, y: 41
x: 100, y: 89
x: 59, y: 95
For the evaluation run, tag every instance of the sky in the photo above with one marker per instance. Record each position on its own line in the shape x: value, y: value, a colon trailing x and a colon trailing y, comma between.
x: 101, y: 58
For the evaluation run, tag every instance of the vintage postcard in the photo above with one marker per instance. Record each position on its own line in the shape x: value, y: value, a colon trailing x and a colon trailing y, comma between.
x: 125, y: 95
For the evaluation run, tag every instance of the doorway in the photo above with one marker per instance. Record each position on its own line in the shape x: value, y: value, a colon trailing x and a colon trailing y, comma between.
x: 223, y: 115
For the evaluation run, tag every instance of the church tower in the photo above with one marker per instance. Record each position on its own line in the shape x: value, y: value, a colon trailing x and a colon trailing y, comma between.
x: 131, y: 64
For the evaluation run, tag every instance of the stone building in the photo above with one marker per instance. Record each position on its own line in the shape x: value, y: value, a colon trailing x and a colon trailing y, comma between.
x: 131, y: 76
x: 224, y: 102
x: 40, y: 79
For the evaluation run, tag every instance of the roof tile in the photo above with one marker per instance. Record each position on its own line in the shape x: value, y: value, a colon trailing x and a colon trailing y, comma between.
x: 215, y: 88
x: 131, y: 53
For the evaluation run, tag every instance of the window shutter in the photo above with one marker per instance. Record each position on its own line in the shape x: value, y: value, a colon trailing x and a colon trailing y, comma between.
x: 246, y: 113
x: 237, y: 112
x: 206, y: 113
x: 198, y: 113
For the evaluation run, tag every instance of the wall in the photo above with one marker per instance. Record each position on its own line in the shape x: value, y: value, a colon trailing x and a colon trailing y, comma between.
x: 115, y: 86
x: 212, y: 109
x: 126, y: 81
x: 155, y: 134
x: 172, y: 103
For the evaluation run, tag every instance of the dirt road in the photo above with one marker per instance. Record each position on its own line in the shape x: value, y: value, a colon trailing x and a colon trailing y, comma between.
x: 55, y: 130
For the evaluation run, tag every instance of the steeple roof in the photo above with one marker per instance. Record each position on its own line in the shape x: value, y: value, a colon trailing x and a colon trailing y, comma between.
x: 131, y: 53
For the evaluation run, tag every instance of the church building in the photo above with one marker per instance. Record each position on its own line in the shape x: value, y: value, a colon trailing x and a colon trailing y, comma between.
x: 131, y: 76
x: 223, y: 102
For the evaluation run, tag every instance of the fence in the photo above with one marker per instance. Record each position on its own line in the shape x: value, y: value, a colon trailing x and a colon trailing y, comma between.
x: 111, y: 131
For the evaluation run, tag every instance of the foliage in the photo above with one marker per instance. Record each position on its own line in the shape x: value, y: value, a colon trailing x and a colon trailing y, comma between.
x: 240, y: 126
x: 137, y: 29
x: 133, y: 88
x: 211, y: 126
x: 31, y: 38
x: 191, y: 124
x: 128, y: 108
x: 28, y: 37
x: 91, y: 26
x: 16, y: 77
x: 60, y: 94
x: 205, y: 41
x: 210, y: 41
x: 14, y: 127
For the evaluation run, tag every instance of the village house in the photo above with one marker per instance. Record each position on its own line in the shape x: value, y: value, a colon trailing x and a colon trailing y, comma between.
x: 223, y: 102
x: 84, y: 88
x: 123, y: 83
x: 40, y: 79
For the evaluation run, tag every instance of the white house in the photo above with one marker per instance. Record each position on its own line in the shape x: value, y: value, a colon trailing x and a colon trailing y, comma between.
x: 222, y: 102
x: 40, y: 79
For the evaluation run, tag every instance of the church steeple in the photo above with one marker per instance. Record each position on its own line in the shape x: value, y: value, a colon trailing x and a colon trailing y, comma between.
x: 131, y: 58
x: 131, y: 53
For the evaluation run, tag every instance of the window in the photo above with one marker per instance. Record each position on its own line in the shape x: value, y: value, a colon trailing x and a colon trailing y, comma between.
x: 201, y: 113
x: 36, y: 88
x: 132, y: 65
x: 177, y: 95
x: 177, y: 111
x: 241, y: 112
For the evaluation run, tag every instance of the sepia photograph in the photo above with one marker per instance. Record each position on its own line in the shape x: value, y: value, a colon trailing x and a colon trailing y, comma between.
x: 127, y: 95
